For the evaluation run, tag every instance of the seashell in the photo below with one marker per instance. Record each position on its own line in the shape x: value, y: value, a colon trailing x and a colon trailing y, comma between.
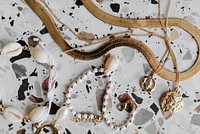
x: 39, y: 55
x: 61, y: 114
x: 38, y: 114
x: 12, y: 49
x: 111, y: 64
x: 12, y: 114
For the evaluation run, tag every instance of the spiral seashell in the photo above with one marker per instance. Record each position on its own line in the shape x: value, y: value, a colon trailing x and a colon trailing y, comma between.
x: 12, y: 114
x: 111, y: 64
x: 39, y: 55
x: 61, y: 114
x: 38, y: 114
x: 12, y: 49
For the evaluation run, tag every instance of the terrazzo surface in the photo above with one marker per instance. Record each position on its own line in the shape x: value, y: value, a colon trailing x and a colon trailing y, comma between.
x: 21, y: 77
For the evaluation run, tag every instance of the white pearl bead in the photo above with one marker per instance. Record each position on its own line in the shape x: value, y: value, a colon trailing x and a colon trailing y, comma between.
x: 85, y: 116
x: 106, y: 97
x: 131, y: 118
x: 111, y: 126
x: 102, y: 69
x: 79, y: 80
x: 123, y: 127
x: 128, y: 123
x: 104, y: 109
x: 117, y: 128
x: 68, y: 95
x: 91, y: 116
x: 68, y: 101
x: 78, y: 115
x: 70, y: 89
x: 105, y: 103
x: 105, y: 115
x: 89, y: 72
x: 70, y: 107
x: 73, y: 112
x: 84, y: 76
x: 107, y: 121
x: 95, y: 70
x: 108, y: 90
x: 110, y: 85
x: 74, y: 84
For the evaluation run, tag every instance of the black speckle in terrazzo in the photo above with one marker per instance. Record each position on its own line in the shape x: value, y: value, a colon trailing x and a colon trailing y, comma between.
x: 76, y: 29
x: 45, y: 130
x: 78, y: 3
x: 89, y: 132
x: 67, y: 131
x: 138, y: 100
x: 154, y: 2
x: 115, y: 7
x: 22, y: 89
x: 154, y: 108
x: 54, y: 109
x: 56, y: 84
x: 44, y: 31
x: 34, y: 73
x: 99, y: 73
x: 3, y: 18
x: 184, y: 96
x: 12, y: 23
x: 10, y: 125
x: 23, y: 123
x: 87, y: 88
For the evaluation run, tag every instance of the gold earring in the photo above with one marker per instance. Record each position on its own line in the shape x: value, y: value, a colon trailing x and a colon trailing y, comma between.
x: 122, y: 106
x: 51, y: 126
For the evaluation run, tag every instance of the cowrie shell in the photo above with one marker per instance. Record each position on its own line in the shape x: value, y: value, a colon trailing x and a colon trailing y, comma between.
x: 12, y: 114
x: 39, y: 55
x: 38, y: 114
x: 111, y: 64
x: 61, y: 114
x: 12, y: 49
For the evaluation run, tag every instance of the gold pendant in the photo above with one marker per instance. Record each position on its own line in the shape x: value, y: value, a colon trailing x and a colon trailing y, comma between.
x: 171, y: 101
x: 147, y: 84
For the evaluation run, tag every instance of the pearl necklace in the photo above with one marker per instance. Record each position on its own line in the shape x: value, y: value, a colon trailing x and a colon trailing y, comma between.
x: 82, y: 117
x: 104, y: 110
x: 110, y: 66
x: 39, y: 114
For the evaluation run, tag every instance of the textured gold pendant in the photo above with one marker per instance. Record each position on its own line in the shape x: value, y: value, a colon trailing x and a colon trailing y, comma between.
x: 171, y: 101
x: 147, y: 84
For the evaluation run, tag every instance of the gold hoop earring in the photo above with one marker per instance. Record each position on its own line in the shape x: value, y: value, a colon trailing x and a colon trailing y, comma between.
x: 51, y: 126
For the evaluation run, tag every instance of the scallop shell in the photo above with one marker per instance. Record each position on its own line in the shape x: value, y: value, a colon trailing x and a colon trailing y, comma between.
x: 38, y: 114
x: 12, y: 49
x: 61, y: 114
x: 39, y: 55
x: 111, y: 64
x: 12, y: 114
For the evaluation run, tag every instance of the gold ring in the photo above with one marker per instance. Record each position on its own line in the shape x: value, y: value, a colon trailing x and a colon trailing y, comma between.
x: 51, y: 126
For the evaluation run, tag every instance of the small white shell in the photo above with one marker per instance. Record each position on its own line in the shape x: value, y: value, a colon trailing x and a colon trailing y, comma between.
x: 61, y: 114
x: 111, y: 64
x: 39, y: 55
x: 38, y: 114
x: 12, y: 49
x: 12, y: 114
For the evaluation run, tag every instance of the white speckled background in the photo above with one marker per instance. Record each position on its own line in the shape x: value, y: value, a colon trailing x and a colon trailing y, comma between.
x: 18, y: 22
